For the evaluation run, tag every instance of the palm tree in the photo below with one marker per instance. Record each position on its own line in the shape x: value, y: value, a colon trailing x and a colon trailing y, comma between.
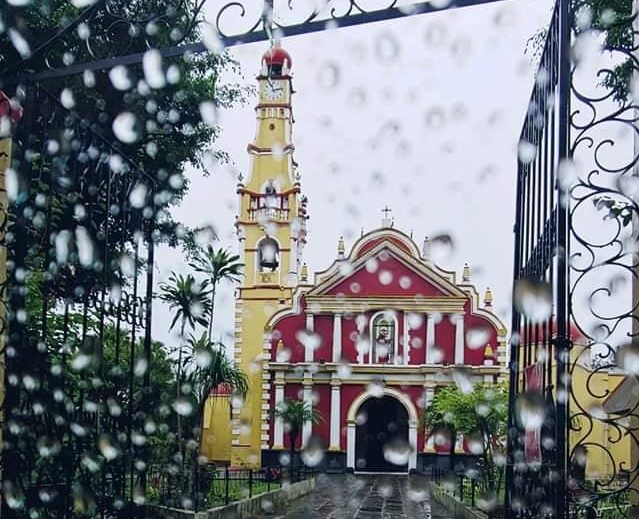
x: 294, y: 414
x: 217, y: 265
x: 188, y: 300
x: 212, y: 368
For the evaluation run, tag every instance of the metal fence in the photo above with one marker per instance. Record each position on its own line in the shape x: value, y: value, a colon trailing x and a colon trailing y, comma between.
x: 471, y: 490
x: 212, y: 486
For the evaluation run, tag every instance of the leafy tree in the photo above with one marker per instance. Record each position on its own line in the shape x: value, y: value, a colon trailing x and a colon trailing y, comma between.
x: 482, y: 412
x: 208, y: 367
x: 217, y: 265
x: 613, y: 18
x: 294, y: 414
x: 188, y: 300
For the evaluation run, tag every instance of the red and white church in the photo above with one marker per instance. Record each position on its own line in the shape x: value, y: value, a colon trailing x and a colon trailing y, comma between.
x: 366, y: 342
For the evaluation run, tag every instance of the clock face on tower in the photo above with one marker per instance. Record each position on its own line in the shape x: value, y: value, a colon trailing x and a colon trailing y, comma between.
x: 273, y: 90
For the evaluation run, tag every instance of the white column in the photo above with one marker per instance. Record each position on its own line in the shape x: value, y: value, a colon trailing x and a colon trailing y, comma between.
x: 307, y: 427
x: 459, y: 443
x: 350, y: 446
x: 310, y: 328
x: 406, y: 348
x: 430, y: 338
x: 429, y: 394
x: 337, y: 337
x: 278, y: 431
x: 336, y: 393
x: 412, y: 441
x: 459, y: 339
x: 361, y: 325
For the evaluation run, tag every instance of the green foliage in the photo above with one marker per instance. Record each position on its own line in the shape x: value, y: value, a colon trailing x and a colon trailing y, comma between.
x: 485, y: 409
x: 613, y: 18
x: 216, y: 265
x: 614, y: 209
x: 208, y: 367
x: 482, y: 413
x: 294, y: 414
x: 187, y: 299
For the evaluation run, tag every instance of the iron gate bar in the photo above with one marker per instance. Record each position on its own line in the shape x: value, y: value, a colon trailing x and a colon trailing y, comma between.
x: 315, y: 25
x: 540, y: 252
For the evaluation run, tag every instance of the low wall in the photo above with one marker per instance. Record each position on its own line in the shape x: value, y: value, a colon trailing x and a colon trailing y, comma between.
x: 257, y: 506
x: 459, y: 510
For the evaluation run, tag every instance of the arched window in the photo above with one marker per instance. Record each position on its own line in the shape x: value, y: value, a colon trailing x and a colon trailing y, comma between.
x: 268, y: 255
x: 384, y: 338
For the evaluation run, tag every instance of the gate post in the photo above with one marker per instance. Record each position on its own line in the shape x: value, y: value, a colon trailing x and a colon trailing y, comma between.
x: 562, y: 288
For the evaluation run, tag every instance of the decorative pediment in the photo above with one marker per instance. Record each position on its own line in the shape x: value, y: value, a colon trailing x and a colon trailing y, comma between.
x: 385, y: 269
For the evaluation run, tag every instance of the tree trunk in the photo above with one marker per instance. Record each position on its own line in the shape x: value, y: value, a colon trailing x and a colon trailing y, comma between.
x: 212, y: 312
x: 451, y: 453
x: 179, y: 390
x: 292, y: 438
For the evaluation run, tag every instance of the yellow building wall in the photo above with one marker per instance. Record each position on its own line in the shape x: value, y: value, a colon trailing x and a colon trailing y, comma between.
x: 608, y: 449
x: 216, y: 437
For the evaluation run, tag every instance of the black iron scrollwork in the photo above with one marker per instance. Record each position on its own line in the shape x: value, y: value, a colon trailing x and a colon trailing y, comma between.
x: 604, y: 408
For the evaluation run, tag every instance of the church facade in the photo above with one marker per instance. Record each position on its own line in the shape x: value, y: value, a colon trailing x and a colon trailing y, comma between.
x: 366, y: 342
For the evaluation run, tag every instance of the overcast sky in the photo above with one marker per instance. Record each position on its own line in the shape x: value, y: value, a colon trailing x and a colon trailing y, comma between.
x: 422, y: 114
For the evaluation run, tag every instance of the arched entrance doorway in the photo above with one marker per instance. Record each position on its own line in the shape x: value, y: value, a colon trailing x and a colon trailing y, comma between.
x: 381, y: 436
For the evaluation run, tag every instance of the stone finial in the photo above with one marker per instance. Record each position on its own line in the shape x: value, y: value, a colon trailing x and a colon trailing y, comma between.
x: 341, y: 249
x: 304, y: 273
x: 488, y: 297
x: 426, y: 247
x: 466, y: 273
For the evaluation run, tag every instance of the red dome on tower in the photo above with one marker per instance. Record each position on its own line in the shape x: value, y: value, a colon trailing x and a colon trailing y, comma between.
x: 276, y: 57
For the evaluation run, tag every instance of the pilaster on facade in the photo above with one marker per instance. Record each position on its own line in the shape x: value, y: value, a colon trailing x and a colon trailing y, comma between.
x: 278, y: 427
x: 335, y: 418
x: 337, y: 337
x: 429, y: 394
x: 459, y: 339
x: 307, y: 427
x: 430, y: 338
x: 310, y: 328
x: 405, y: 355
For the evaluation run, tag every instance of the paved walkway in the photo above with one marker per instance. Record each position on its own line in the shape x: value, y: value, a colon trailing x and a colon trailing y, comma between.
x: 338, y: 496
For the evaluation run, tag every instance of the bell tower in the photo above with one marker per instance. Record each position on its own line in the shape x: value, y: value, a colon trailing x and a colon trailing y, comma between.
x: 271, y: 228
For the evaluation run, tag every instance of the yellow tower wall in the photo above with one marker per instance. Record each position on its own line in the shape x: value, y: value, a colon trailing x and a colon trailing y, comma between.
x: 262, y: 293
x: 216, y: 437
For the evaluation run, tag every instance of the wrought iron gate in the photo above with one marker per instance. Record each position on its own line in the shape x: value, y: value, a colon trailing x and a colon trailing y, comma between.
x: 81, y: 270
x: 565, y: 339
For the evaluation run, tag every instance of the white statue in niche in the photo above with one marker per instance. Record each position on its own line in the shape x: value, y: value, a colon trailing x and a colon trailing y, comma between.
x: 384, y: 337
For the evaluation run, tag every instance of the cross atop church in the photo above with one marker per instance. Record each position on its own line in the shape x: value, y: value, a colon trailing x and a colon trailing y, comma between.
x: 386, y: 221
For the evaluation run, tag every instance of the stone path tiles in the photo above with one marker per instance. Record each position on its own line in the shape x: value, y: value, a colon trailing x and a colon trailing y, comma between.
x: 347, y: 496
